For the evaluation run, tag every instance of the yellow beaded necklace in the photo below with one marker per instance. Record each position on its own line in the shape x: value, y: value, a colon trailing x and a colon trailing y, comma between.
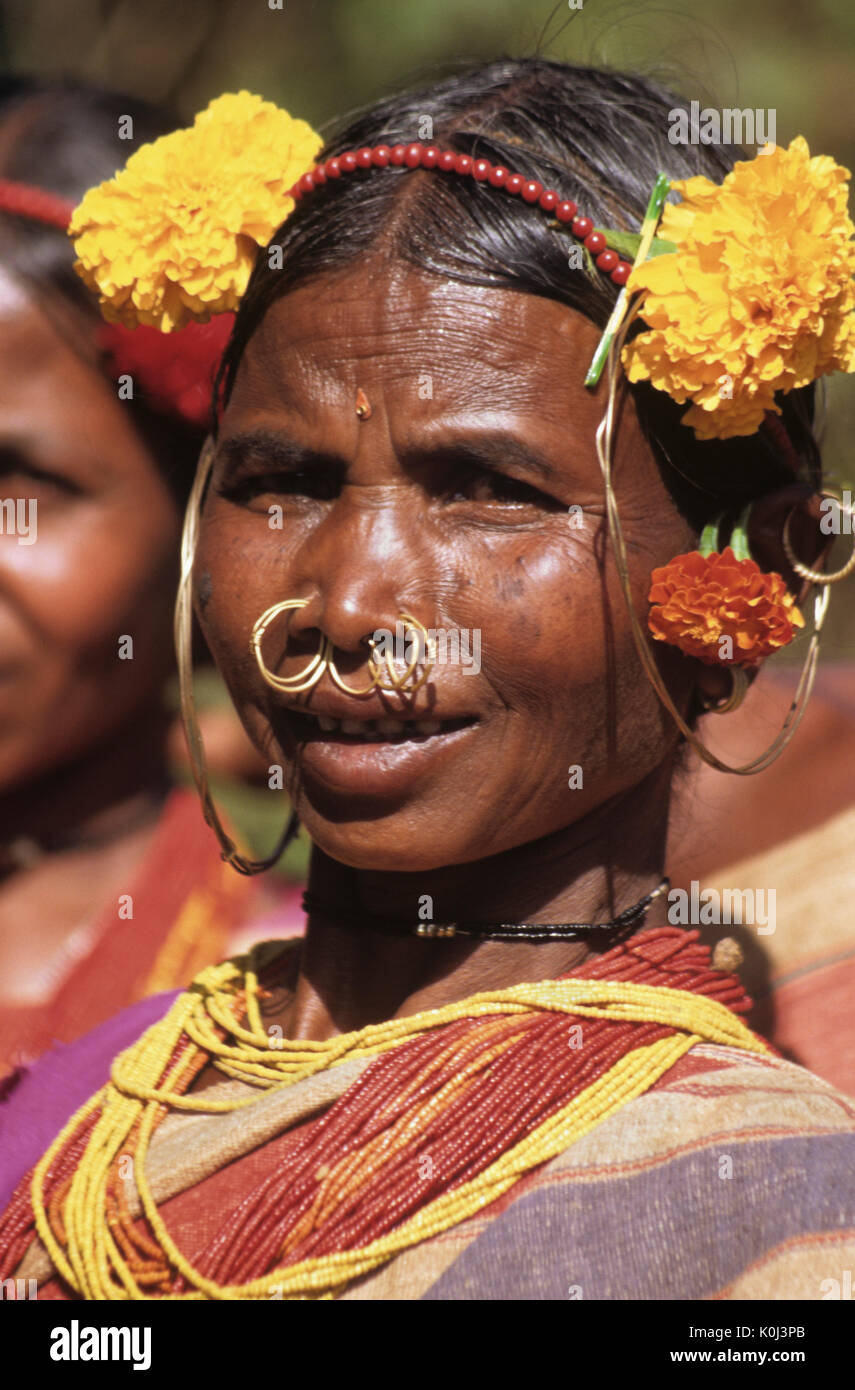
x: 145, y: 1085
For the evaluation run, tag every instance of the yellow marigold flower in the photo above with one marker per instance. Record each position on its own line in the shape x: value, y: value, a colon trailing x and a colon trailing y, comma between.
x: 758, y: 296
x: 699, y: 599
x: 173, y: 237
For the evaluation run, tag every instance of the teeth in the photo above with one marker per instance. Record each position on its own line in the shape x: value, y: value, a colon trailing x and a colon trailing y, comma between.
x: 386, y: 727
x: 428, y: 726
x: 395, y: 727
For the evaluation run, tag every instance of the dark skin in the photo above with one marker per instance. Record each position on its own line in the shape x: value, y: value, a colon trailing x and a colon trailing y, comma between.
x: 85, y: 738
x: 433, y: 506
x: 82, y: 733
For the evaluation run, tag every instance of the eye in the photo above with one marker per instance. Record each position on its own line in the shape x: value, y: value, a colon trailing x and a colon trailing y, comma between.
x: 487, y: 485
x: 311, y: 483
x: 21, y: 477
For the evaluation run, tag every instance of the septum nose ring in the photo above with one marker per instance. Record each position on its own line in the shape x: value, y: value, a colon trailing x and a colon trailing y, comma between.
x: 422, y: 656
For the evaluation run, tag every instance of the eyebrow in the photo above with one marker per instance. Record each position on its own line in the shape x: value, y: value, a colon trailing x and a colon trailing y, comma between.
x: 492, y: 448
x: 495, y: 448
x: 279, y: 449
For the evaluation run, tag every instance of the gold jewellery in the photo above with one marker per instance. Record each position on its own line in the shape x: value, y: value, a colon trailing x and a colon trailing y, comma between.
x: 422, y: 649
x: 738, y: 691
x: 605, y: 446
x: 423, y: 654
x: 183, y: 629
x: 817, y: 576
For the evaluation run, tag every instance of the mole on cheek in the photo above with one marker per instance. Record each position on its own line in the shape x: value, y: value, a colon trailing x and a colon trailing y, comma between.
x: 204, y: 589
x: 507, y: 588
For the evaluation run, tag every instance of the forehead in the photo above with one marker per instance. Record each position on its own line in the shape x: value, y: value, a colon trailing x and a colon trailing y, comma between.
x: 36, y: 340
x: 400, y: 331
x: 30, y: 347
x: 13, y: 299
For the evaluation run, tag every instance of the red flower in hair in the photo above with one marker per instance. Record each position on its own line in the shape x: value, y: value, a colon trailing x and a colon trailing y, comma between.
x: 175, y: 371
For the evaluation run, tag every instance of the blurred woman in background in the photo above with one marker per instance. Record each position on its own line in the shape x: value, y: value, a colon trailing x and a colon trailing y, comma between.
x: 110, y: 885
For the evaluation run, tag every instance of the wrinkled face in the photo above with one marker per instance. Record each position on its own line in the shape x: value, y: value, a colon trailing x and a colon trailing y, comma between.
x: 87, y: 552
x: 471, y: 498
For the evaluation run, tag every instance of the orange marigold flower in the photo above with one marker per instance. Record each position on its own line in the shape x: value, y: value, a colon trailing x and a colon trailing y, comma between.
x: 759, y: 295
x: 700, y: 599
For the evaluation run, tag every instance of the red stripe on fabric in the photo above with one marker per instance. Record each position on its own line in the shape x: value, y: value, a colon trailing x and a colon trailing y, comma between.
x: 183, y: 857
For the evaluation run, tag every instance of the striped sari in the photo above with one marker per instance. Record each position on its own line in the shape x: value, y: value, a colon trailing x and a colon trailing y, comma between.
x: 731, y: 1177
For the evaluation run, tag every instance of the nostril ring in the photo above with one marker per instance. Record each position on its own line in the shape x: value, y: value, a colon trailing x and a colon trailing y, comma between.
x: 311, y: 673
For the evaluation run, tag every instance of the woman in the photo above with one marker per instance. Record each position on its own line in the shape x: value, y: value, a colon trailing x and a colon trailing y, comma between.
x: 490, y: 1011
x: 98, y: 906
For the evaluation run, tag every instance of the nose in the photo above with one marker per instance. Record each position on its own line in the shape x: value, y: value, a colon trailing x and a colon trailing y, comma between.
x: 362, y: 566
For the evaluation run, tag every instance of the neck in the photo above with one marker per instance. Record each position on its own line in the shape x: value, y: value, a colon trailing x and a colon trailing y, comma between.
x: 352, y: 974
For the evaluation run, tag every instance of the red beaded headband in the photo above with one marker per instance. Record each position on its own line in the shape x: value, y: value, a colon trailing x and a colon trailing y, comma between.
x: 450, y: 162
x: 36, y: 203
x: 41, y: 206
x: 417, y: 156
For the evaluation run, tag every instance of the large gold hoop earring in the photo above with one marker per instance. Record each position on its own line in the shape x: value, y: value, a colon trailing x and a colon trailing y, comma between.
x: 817, y: 576
x: 738, y: 691
x: 794, y: 715
x: 311, y: 673
x: 183, y: 630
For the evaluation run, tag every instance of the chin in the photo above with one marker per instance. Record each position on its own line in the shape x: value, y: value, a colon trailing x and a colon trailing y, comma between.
x: 385, y: 848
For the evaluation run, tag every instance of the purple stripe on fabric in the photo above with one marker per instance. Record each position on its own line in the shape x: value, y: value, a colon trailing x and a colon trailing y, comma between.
x: 677, y: 1232
x: 47, y: 1095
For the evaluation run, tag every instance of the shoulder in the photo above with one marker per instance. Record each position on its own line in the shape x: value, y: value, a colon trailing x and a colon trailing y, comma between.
x: 734, y: 1178
x: 38, y: 1101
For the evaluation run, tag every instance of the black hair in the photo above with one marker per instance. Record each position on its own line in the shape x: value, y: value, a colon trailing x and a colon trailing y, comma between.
x: 597, y: 137
x: 64, y: 137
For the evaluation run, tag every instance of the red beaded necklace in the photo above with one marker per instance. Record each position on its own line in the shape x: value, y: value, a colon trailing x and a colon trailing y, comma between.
x: 418, y: 156
x: 527, y: 1073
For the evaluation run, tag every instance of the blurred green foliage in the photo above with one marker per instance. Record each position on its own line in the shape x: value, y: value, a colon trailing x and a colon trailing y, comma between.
x: 322, y: 57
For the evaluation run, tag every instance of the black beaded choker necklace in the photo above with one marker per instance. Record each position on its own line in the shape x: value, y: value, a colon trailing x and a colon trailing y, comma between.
x: 491, y: 931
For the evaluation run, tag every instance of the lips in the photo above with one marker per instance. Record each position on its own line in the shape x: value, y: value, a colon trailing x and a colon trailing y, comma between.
x: 381, y: 756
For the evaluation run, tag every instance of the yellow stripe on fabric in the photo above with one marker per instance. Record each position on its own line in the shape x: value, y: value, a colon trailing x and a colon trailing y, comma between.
x: 630, y: 1077
x: 199, y: 931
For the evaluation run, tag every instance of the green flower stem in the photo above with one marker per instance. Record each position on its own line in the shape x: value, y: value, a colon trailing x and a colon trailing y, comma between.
x: 627, y: 243
x: 739, y: 536
x: 655, y: 204
x: 598, y: 361
x: 709, y: 538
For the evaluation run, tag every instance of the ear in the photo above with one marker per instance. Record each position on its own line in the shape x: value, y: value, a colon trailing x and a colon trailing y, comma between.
x: 766, y: 529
